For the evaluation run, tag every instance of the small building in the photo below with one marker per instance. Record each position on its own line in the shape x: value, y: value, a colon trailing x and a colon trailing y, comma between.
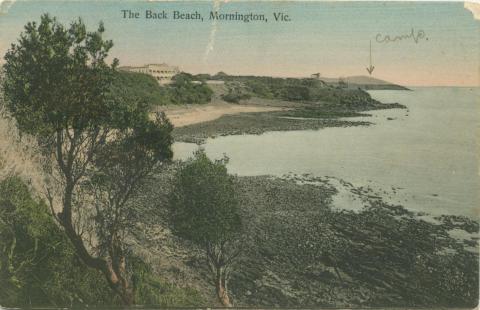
x: 315, y: 76
x: 163, y: 73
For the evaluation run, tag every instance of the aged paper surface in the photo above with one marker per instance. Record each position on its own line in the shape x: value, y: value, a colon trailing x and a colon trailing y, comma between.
x: 257, y: 154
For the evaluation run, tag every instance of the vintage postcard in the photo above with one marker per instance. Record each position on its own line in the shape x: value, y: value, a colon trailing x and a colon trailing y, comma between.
x: 245, y: 154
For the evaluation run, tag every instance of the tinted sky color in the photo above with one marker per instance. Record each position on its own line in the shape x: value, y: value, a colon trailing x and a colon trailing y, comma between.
x: 327, y: 37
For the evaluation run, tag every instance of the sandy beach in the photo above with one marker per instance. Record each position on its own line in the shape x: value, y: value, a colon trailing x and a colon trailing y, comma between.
x: 192, y: 114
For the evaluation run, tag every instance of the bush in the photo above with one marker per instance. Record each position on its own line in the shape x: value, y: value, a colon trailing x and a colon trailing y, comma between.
x: 233, y: 97
x: 151, y: 290
x: 37, y: 263
x: 184, y: 90
x: 204, y: 209
x: 294, y: 89
x: 140, y: 87
x: 236, y: 92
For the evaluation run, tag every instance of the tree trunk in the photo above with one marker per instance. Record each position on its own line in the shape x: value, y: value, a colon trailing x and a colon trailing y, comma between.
x: 221, y: 288
x: 116, y: 276
x: 115, y: 273
x: 127, y: 296
x: 121, y: 288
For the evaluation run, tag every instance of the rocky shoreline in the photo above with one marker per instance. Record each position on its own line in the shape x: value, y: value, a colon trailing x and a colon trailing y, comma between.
x: 298, y: 250
x: 294, y: 116
x: 265, y: 104
x: 304, y: 250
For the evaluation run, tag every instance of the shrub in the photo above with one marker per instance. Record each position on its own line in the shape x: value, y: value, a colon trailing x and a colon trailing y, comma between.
x: 38, y: 266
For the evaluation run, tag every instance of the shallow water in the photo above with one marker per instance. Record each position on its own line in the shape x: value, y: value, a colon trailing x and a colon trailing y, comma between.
x: 424, y: 158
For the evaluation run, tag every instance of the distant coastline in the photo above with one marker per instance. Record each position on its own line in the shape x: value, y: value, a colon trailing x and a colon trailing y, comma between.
x: 254, y: 105
x: 364, y: 82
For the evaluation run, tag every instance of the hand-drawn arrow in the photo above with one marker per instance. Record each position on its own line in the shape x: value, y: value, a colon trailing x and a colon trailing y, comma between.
x: 370, y: 68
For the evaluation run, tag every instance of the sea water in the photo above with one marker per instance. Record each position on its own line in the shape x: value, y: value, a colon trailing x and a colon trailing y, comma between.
x: 424, y: 157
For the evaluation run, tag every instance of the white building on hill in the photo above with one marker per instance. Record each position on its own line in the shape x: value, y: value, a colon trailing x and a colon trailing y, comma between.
x: 163, y: 73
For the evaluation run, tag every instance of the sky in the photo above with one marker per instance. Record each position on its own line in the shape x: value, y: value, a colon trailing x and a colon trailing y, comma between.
x: 332, y: 38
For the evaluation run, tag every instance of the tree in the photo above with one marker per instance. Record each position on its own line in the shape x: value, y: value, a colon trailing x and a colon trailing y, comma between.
x: 185, y: 90
x: 98, y: 146
x: 140, y: 85
x: 204, y: 209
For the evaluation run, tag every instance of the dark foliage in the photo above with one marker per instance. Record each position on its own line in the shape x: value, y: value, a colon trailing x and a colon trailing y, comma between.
x: 140, y: 87
x: 299, y: 90
x: 204, y: 209
x: 38, y: 265
x: 98, y: 144
x: 236, y: 93
x: 185, y: 90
